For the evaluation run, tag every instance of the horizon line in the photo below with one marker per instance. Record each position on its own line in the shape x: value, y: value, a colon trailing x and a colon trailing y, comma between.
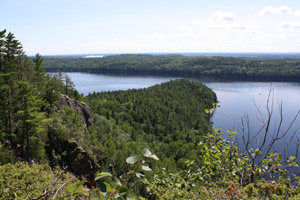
x: 149, y: 53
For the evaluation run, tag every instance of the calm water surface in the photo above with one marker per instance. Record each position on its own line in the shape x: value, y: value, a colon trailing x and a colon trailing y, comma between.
x: 237, y: 99
x: 88, y: 83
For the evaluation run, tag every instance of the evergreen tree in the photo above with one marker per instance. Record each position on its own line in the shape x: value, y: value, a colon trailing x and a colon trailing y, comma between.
x: 2, y: 43
x: 39, y: 70
x: 26, y: 92
x: 30, y: 119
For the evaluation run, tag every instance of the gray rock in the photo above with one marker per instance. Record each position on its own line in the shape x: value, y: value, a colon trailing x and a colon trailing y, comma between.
x: 79, y: 161
x: 82, y: 108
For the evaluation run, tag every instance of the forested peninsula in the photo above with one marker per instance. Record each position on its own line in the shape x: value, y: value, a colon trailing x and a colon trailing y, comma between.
x: 178, y: 65
x: 151, y: 143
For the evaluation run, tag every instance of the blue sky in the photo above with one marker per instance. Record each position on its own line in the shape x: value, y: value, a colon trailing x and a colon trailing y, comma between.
x: 139, y: 26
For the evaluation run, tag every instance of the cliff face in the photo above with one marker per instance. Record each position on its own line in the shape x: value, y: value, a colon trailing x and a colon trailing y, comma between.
x: 79, y: 161
x: 71, y: 153
x: 82, y: 108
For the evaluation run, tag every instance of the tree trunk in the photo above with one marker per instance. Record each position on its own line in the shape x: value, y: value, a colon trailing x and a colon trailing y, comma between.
x: 10, y: 128
x: 27, y: 148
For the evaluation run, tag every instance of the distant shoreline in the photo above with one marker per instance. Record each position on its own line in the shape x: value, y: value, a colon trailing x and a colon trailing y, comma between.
x: 222, y: 54
x: 261, y: 69
x: 215, y: 78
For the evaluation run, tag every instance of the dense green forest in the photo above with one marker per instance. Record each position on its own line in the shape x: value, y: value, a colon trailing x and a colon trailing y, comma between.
x: 169, y: 118
x: 152, y: 143
x: 246, y: 68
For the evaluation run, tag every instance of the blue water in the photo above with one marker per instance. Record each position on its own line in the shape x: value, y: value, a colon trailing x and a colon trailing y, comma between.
x: 86, y: 83
x: 238, y: 99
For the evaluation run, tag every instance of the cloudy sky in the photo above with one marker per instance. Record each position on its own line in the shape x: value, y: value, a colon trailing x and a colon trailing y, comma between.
x: 139, y: 26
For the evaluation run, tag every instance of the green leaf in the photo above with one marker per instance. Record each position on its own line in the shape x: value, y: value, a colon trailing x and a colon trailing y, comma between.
x: 146, y: 152
x: 77, y: 188
x: 100, y: 195
x: 278, y: 159
x: 228, y: 130
x: 146, y: 167
x: 130, y: 172
x: 292, y: 157
x: 206, y: 162
x: 154, y: 157
x: 139, y: 175
x: 123, y: 190
x: 6, y: 190
x: 103, y: 187
x: 102, y: 175
x: 108, y: 187
x: 132, y: 159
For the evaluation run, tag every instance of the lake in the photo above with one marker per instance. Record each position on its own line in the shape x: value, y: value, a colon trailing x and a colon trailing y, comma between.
x: 238, y: 99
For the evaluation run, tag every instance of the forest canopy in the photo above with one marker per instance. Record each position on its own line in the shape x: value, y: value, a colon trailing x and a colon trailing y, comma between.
x: 169, y: 118
x: 211, y: 66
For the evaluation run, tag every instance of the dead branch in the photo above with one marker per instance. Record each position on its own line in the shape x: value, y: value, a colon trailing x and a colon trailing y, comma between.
x: 268, y: 138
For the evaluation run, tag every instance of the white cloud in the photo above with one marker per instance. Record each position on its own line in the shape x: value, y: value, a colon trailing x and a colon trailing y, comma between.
x: 271, y: 11
x: 290, y: 25
x: 223, y: 16
x: 187, y: 30
x: 239, y: 27
x: 297, y: 13
x: 221, y: 21
x: 226, y: 32
x: 156, y: 37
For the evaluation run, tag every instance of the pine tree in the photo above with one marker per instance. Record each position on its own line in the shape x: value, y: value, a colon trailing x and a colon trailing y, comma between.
x: 22, y: 99
x: 30, y: 120
x: 2, y: 43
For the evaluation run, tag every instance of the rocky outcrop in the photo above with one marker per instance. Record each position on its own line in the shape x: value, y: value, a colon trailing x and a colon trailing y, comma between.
x: 69, y: 152
x: 82, y: 108
x: 79, y: 161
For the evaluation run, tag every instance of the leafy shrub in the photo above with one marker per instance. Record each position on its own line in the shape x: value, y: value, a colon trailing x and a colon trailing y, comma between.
x: 22, y: 181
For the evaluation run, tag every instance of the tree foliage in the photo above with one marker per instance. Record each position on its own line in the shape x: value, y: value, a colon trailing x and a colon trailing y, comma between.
x: 212, y: 66
x: 28, y: 97
x: 168, y: 118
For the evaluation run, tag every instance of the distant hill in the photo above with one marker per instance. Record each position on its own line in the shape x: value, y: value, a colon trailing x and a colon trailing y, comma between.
x: 274, y: 67
x: 222, y: 54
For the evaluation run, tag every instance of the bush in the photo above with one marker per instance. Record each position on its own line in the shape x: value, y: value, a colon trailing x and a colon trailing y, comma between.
x: 22, y: 181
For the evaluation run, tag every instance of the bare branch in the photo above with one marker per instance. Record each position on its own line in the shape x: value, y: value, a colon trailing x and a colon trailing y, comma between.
x: 50, y: 192
x: 267, y: 138
x: 58, y: 190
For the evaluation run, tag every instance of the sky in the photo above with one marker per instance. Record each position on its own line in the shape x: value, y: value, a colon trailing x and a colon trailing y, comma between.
x: 52, y: 27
